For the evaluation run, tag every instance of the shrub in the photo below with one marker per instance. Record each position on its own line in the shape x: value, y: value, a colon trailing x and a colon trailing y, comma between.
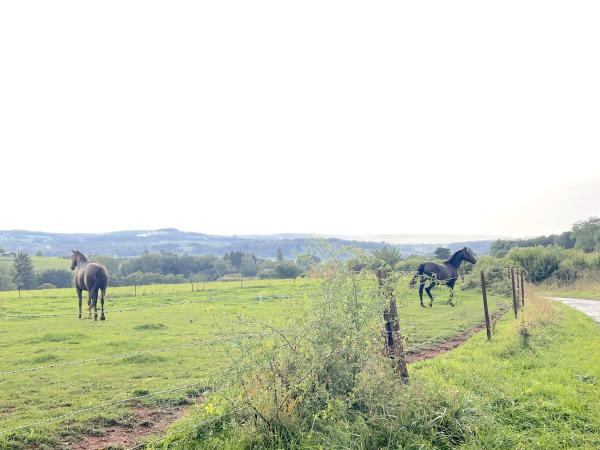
x: 324, y: 383
x: 539, y: 262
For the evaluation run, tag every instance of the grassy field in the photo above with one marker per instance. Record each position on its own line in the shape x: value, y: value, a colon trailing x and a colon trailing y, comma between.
x: 543, y: 395
x: 40, y: 263
x: 536, y: 385
x: 161, y: 317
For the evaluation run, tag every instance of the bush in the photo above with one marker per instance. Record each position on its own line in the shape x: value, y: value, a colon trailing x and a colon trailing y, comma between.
x: 539, y: 262
x: 324, y: 383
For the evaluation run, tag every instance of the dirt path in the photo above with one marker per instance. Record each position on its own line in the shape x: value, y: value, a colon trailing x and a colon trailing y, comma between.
x: 589, y: 307
x: 452, y: 343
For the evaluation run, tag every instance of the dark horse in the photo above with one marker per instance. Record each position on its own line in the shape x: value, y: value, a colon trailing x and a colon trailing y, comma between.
x: 445, y: 273
x: 89, y: 277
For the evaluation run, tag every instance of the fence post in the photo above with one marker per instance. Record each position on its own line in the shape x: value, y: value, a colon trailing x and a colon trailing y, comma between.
x: 135, y: 289
x: 514, y: 292
x: 518, y: 286
x: 393, y: 338
x: 522, y: 288
x: 485, y: 307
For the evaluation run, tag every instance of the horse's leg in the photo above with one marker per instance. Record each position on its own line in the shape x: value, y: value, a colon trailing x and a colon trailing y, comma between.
x: 95, y: 302
x: 428, y: 290
x: 103, y: 292
x: 90, y: 304
x: 421, y: 286
x: 80, y: 298
x: 451, y: 286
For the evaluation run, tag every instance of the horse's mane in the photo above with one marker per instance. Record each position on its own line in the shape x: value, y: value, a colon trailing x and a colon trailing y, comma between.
x: 81, y: 256
x: 455, y: 256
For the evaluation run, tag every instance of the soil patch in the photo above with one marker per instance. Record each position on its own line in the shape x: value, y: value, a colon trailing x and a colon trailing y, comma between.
x: 147, y: 421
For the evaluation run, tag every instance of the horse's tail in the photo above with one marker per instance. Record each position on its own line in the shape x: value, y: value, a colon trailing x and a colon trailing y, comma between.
x: 100, y: 282
x: 417, y: 275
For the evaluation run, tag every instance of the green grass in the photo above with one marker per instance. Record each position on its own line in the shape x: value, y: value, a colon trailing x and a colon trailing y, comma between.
x: 542, y: 396
x: 589, y: 294
x: 218, y: 309
x: 40, y: 263
x: 504, y: 394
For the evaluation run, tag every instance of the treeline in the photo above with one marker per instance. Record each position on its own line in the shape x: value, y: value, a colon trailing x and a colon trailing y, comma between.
x: 584, y: 236
x: 23, y: 276
x: 159, y: 268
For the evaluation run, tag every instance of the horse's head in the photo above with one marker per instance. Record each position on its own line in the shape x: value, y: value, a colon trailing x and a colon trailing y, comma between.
x: 76, y: 258
x: 468, y: 255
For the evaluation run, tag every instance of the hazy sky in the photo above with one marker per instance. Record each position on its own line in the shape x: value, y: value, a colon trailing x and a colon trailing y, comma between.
x: 327, y: 117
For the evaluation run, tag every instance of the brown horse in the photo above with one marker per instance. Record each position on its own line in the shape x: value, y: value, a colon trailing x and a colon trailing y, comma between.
x: 90, y: 277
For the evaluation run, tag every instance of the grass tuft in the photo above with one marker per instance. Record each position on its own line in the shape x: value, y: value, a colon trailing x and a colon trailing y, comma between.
x: 150, y: 326
x: 144, y: 359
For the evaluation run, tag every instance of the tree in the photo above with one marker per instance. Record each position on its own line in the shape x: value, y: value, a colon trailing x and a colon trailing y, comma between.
x: 442, y: 253
x: 1, y: 249
x: 248, y: 265
x: 220, y: 268
x: 59, y: 278
x: 287, y: 269
x: 389, y: 256
x: 24, y: 277
x: 6, y: 279
x: 565, y: 240
x: 39, y: 253
x: 279, y: 254
x: 586, y: 234
x: 307, y: 260
x: 235, y: 258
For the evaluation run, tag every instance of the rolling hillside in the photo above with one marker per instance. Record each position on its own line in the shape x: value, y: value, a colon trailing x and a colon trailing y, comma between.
x: 136, y: 242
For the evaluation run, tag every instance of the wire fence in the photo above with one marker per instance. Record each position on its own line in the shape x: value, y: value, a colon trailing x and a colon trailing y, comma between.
x: 80, y: 411
x: 266, y: 331
x: 205, y: 301
x: 136, y: 353
x: 96, y: 407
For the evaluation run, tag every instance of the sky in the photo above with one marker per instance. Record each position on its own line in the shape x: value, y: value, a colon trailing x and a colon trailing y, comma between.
x: 331, y: 117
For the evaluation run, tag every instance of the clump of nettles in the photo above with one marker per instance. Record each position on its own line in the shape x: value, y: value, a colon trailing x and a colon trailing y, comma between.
x: 324, y: 382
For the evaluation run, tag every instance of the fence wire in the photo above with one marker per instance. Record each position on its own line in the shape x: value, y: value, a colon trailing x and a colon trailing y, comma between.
x: 141, y: 352
x: 102, y: 405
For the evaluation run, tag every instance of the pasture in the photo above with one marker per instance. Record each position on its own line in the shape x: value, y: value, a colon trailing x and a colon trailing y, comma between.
x: 535, y: 385
x: 40, y: 263
x: 163, y: 339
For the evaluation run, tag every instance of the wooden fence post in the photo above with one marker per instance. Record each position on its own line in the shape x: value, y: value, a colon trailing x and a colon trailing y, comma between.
x: 393, y: 338
x: 485, y: 307
x: 135, y: 289
x: 522, y: 288
x: 514, y: 292
x: 518, y: 286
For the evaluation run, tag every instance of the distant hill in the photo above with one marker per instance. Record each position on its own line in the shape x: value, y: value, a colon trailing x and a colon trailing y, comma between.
x: 136, y: 242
